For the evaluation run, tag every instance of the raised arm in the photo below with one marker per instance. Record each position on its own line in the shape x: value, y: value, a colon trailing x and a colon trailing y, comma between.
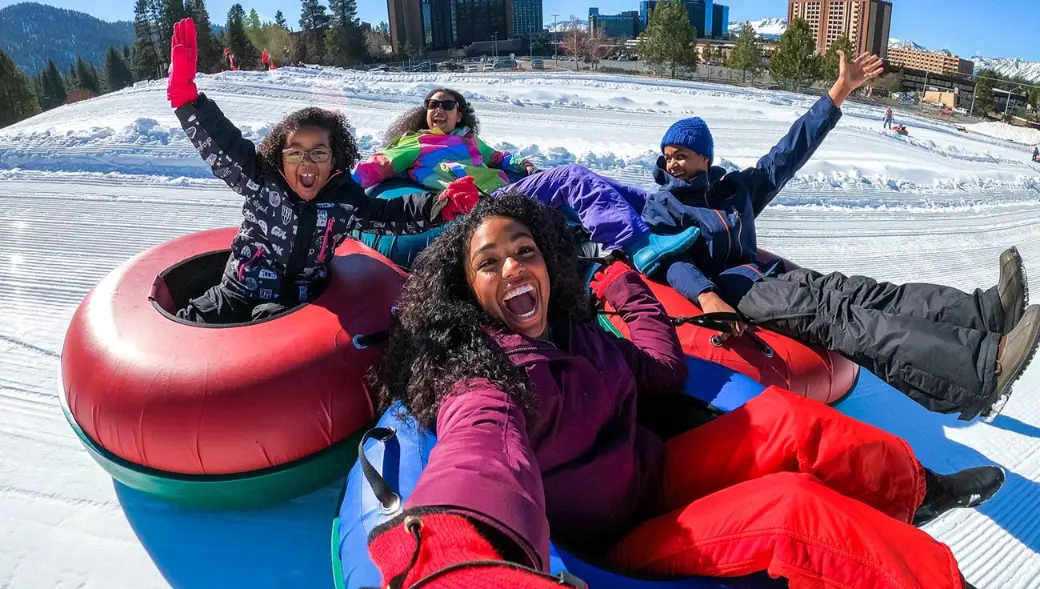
x: 773, y: 171
x: 653, y: 352
x: 393, y: 161
x: 218, y: 141
x: 483, y: 467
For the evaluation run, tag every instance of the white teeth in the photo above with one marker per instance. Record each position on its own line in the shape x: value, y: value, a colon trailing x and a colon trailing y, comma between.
x: 519, y: 291
x: 528, y: 314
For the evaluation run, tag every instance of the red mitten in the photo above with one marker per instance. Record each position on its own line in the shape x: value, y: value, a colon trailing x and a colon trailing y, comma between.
x: 602, y: 279
x: 461, y: 196
x: 530, y: 168
x: 184, y: 53
x: 440, y: 541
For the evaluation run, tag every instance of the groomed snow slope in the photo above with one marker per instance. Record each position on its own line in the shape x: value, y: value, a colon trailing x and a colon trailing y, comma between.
x: 88, y: 185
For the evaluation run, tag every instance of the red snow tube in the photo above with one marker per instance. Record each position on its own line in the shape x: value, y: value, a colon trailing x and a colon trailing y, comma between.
x: 811, y: 371
x: 169, y: 399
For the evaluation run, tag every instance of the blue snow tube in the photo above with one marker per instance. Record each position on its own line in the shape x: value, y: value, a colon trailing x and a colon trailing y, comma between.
x: 401, y: 459
x: 401, y: 249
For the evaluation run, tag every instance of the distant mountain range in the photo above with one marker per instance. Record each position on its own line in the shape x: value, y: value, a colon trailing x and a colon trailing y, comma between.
x: 31, y: 33
x: 767, y: 28
x: 567, y: 25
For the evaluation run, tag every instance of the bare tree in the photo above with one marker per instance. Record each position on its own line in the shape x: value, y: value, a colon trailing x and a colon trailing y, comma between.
x: 574, y: 43
x: 597, y: 47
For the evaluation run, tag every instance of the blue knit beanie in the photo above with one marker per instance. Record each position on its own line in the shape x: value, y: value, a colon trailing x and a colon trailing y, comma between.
x: 693, y: 134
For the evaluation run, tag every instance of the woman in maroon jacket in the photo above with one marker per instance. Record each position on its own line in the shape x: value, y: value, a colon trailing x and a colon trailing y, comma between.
x: 535, y: 411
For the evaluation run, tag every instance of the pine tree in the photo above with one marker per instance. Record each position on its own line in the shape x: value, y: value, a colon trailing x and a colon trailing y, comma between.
x: 670, y: 41
x: 984, y: 86
x: 831, y: 63
x: 210, y: 50
x: 51, y: 88
x: 146, y: 56
x: 117, y: 74
x: 238, y: 41
x: 314, y: 22
x: 279, y: 20
x: 344, y: 40
x: 87, y: 77
x: 172, y: 12
x: 795, y: 61
x: 747, y: 53
x: 17, y: 99
x: 253, y: 21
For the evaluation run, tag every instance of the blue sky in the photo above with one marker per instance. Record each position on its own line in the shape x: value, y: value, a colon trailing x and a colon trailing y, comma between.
x: 996, y: 29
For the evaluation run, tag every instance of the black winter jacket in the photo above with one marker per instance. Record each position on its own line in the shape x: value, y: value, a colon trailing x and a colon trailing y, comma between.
x: 285, y: 244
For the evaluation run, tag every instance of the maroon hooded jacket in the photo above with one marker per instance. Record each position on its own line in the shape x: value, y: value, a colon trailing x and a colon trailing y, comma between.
x: 583, y: 466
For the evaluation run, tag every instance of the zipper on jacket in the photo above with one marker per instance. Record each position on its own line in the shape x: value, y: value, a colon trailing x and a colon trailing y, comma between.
x: 305, y: 226
x: 256, y: 256
x: 324, y: 240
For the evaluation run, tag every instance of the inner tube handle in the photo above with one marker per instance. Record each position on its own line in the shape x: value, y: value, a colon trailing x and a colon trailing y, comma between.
x: 389, y: 502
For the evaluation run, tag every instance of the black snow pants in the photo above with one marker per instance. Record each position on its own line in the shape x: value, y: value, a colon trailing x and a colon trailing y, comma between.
x: 224, y: 303
x: 936, y: 344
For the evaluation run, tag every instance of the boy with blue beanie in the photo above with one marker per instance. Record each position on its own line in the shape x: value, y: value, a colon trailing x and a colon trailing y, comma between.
x: 948, y: 350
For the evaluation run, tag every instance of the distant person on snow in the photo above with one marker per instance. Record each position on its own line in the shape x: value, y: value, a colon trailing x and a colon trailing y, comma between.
x: 888, y: 118
x: 948, y: 350
x: 1036, y: 154
x: 229, y: 60
x: 300, y: 199
x: 265, y: 60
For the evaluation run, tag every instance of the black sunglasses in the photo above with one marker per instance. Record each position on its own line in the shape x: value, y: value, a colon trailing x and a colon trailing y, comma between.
x: 447, y: 105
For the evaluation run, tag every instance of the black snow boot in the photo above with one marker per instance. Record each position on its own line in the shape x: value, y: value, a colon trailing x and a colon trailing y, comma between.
x: 1018, y: 349
x: 968, y: 488
x: 1012, y: 288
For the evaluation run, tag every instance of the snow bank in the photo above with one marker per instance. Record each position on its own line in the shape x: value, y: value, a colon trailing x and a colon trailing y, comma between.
x: 1022, y: 135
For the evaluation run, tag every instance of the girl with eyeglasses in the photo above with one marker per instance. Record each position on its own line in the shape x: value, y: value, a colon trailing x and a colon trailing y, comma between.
x: 300, y: 200
x: 436, y: 144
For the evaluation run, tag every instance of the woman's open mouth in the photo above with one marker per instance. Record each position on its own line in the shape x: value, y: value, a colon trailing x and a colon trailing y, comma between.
x: 308, y: 181
x: 521, y: 302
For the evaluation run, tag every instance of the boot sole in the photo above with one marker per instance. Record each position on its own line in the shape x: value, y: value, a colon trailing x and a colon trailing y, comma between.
x: 988, y: 415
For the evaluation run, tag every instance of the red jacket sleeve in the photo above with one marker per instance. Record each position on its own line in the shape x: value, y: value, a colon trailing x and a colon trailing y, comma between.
x: 483, y: 464
x: 653, y: 351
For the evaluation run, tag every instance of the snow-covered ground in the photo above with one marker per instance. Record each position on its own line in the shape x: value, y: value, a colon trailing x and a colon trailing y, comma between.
x: 85, y: 186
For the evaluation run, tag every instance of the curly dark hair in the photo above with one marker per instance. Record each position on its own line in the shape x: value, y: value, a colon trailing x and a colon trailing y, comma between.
x: 414, y: 120
x: 440, y: 337
x: 344, y: 150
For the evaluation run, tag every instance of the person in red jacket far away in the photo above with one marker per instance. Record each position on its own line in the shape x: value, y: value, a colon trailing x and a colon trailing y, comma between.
x: 535, y: 411
x: 265, y: 59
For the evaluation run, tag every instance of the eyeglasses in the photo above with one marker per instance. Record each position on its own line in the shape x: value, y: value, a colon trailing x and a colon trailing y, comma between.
x: 295, y: 155
x: 447, y: 105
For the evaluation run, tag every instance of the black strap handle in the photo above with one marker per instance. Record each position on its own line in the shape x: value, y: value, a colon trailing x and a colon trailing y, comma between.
x: 389, y: 501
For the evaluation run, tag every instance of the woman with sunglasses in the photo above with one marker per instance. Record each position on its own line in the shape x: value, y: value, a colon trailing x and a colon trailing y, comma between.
x: 436, y: 144
x: 300, y: 199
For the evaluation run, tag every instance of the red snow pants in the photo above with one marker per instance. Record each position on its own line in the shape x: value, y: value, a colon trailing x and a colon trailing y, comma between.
x: 795, y: 488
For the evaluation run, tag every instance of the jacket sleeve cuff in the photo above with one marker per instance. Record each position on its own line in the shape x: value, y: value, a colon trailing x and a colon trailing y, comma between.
x: 826, y: 107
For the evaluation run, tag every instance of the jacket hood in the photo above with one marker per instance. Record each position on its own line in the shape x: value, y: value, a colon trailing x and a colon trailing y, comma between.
x: 699, y: 183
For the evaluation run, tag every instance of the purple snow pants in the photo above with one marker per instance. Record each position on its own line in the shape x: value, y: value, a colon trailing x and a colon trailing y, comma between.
x: 608, y: 209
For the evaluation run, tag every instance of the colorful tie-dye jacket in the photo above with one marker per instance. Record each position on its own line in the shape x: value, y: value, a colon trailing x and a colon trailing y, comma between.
x: 433, y: 159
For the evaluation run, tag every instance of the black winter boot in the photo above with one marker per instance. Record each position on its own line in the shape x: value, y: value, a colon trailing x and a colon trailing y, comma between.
x: 967, y: 488
x: 1012, y: 288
